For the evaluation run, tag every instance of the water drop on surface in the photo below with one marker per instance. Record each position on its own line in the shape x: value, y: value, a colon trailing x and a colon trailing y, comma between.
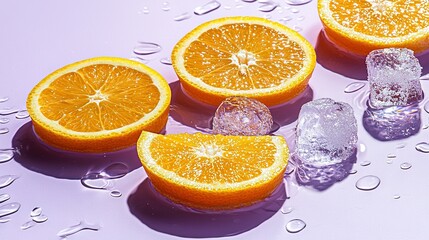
x: 4, y: 219
x: 4, y: 130
x: 365, y: 163
x: 4, y: 120
x: 76, y: 228
x: 182, y: 17
x: 115, y: 170
x: 401, y: 145
x: 36, y: 212
x: 28, y: 224
x: 3, y: 99
x: 166, y: 61
x: 22, y: 114
x: 396, y: 196
x: 353, y: 87
x: 206, y: 8
x: 4, y: 197
x: 139, y: 59
x: 146, y: 48
x: 300, y: 18
x: 268, y: 7
x: 367, y: 183
x: 9, y: 208
x: 294, y: 10
x: 422, y: 147
x: 389, y: 161
x: 6, y: 180
x: 41, y: 218
x: 353, y: 171
x: 297, y: 2
x: 8, y: 111
x: 405, y: 166
x: 6, y: 156
x: 238, y: 6
x: 297, y: 28
x: 286, y: 209
x: 295, y: 225
x: 165, y: 6
x: 391, y: 155
x: 115, y: 193
x: 249, y: 1
x: 145, y: 10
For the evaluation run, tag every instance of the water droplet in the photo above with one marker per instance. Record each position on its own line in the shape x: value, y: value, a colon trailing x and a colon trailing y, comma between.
x: 96, y: 181
x: 36, y: 212
x: 227, y: 7
x: 297, y: 2
x: 28, y: 225
x: 8, y: 111
x: 4, y: 219
x: 422, y: 147
x: 297, y: 28
x: 389, y: 161
x: 401, y: 145
x: 4, y: 130
x: 139, y: 59
x: 294, y: 10
x: 295, y: 225
x: 365, y: 163
x: 391, y: 155
x: 6, y: 180
x: 114, y: 170
x: 286, y: 209
x: 285, y: 19
x: 76, y: 228
x: 145, y: 10
x: 300, y: 18
x: 249, y: 1
x: 353, y: 171
x: 165, y: 6
x: 367, y: 183
x: 22, y: 114
x: 166, y: 61
x: 182, y: 17
x: 396, y: 196
x: 41, y: 218
x: 4, y: 197
x: 426, y: 107
x: 268, y: 16
x: 206, y: 8
x: 115, y: 193
x: 362, y: 147
x: 3, y: 99
x: 4, y: 120
x: 405, y: 166
x: 5, y: 156
x: 268, y: 7
x: 353, y: 87
x: 9, y: 208
x: 146, y: 48
x: 238, y: 6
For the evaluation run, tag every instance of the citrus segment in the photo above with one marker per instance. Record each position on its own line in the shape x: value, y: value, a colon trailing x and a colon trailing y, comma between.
x: 99, y: 104
x: 362, y: 26
x: 213, y: 171
x: 243, y: 56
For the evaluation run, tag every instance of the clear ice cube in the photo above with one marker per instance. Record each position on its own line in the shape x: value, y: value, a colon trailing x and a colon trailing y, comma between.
x: 326, y: 133
x: 242, y: 116
x: 393, y: 75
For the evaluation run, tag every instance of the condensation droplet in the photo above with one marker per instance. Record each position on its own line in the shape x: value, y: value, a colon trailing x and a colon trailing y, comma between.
x: 353, y: 171
x: 6, y: 156
x: 285, y: 19
x: 365, y: 163
x: 114, y: 170
x: 115, y: 193
x: 182, y: 17
x: 41, y: 218
x: 4, y: 120
x: 286, y: 209
x: 4, y: 219
x: 295, y: 225
x: 28, y: 224
x: 297, y: 28
x: 367, y: 183
x: 426, y: 107
x: 77, y: 228
x: 238, y: 6
x: 6, y: 180
x: 297, y: 2
x: 396, y: 196
x: 405, y: 166
x: 294, y: 10
x: 206, y: 8
x: 36, y: 212
x: 9, y: 208
x: 145, y: 10
x: 96, y: 181
x: 8, y: 111
x: 422, y: 147
x: 4, y: 197
x: 401, y: 145
x: 362, y: 147
x: 22, y: 114
x: 300, y: 18
x: 165, y: 6
x: 268, y: 7
x: 353, y: 87
x: 268, y: 16
x: 166, y: 61
x: 146, y: 48
x: 4, y: 130
x: 389, y: 161
x: 391, y: 155
x: 4, y: 99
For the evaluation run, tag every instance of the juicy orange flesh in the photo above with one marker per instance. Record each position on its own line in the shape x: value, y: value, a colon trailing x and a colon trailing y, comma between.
x: 99, y: 97
x: 382, y: 18
x: 213, y: 159
x: 264, y: 57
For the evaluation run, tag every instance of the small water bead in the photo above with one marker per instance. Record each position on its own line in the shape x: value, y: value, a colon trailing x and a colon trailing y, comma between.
x: 40, y: 219
x: 22, y: 114
x: 405, y: 166
x: 422, y: 147
x: 297, y: 28
x: 9, y: 208
x: 96, y: 181
x: 8, y: 111
x: 268, y: 7
x: 4, y: 120
x: 28, y: 224
x: 365, y: 163
x: 294, y: 10
x: 115, y: 170
x: 4, y: 219
x: 146, y: 48
x: 354, y: 87
x: 4, y: 197
x: 3, y: 99
x: 249, y: 1
x: 6, y: 156
x: 4, y: 130
x: 227, y: 7
x: 295, y: 225
x: 115, y: 193
x: 362, y: 147
x: 286, y: 209
x: 77, y: 228
x: 182, y: 17
x: 391, y: 155
x: 206, y: 8
x: 297, y: 2
x: 401, y: 145
x: 165, y: 6
x: 367, y: 183
x: 267, y: 16
x: 6, y: 180
x: 166, y: 61
x: 389, y: 161
x: 396, y: 196
x: 36, y: 212
x: 285, y: 19
x: 353, y: 171
x: 145, y: 10
x: 300, y: 18
x: 238, y: 6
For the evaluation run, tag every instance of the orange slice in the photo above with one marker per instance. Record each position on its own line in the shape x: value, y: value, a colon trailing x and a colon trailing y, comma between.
x: 99, y: 104
x: 362, y: 26
x: 243, y: 56
x: 213, y: 171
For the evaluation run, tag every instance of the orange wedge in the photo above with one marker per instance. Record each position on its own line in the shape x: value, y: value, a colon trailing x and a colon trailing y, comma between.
x: 243, y: 56
x: 213, y: 171
x: 362, y: 26
x: 99, y: 104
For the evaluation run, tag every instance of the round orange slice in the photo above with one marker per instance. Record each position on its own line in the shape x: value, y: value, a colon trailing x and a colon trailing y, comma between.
x: 99, y: 104
x: 243, y: 56
x: 213, y: 171
x: 362, y: 26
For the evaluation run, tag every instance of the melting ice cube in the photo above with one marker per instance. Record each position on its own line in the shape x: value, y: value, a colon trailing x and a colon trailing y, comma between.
x: 242, y: 116
x: 393, y: 75
x: 326, y: 133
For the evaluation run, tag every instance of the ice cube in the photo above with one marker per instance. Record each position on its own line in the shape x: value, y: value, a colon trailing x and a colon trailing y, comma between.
x: 326, y: 133
x: 242, y: 116
x: 393, y: 75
